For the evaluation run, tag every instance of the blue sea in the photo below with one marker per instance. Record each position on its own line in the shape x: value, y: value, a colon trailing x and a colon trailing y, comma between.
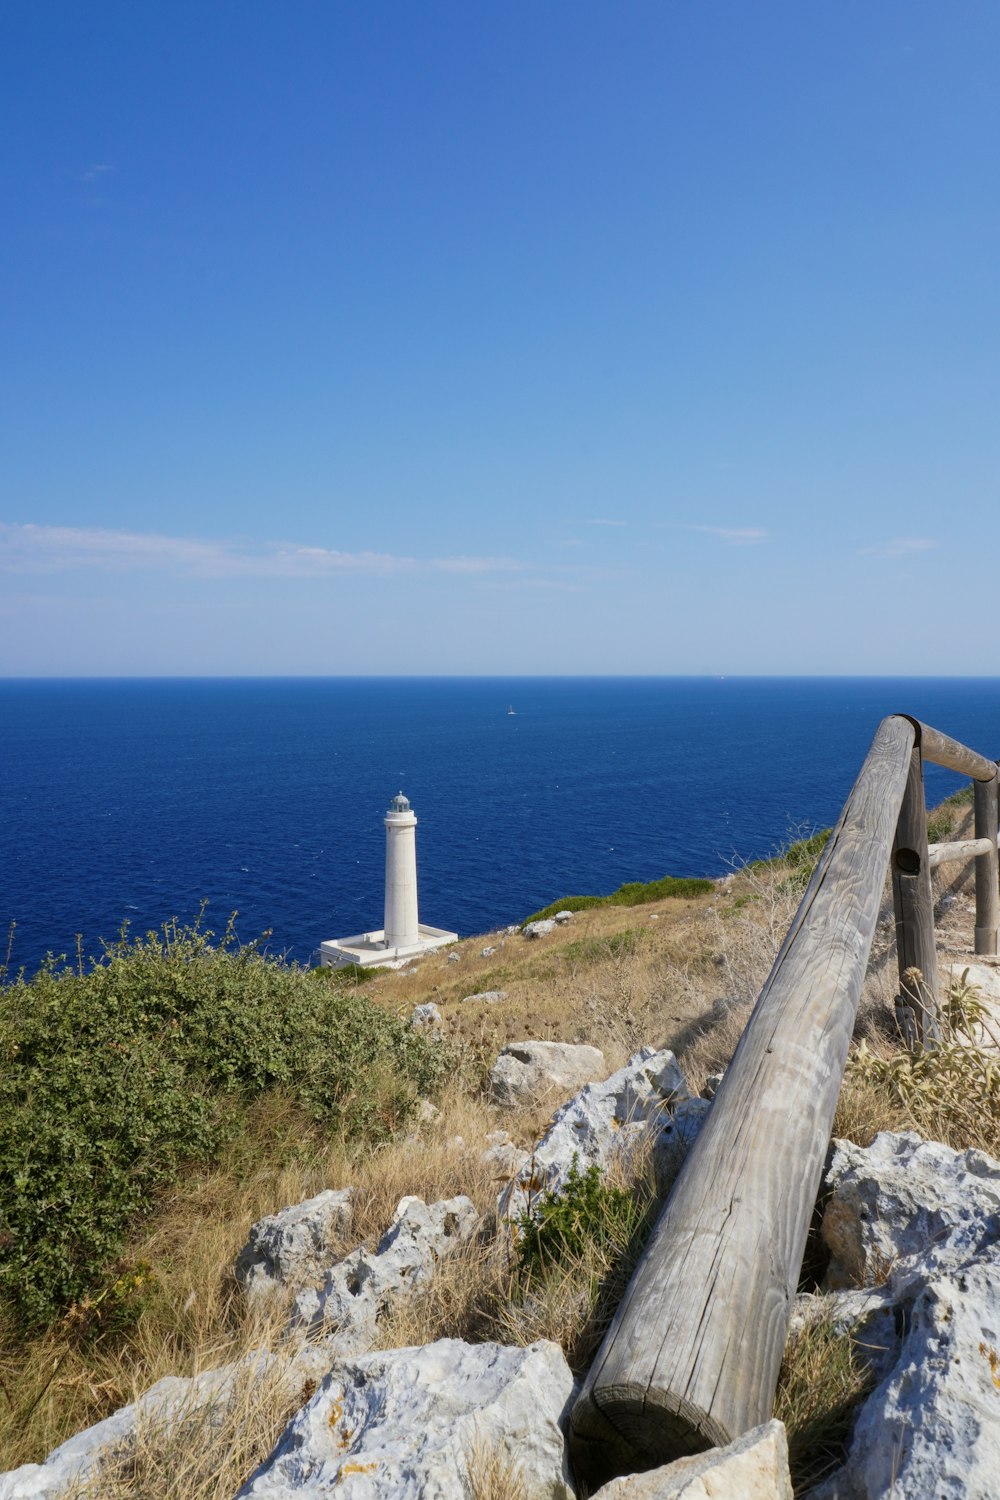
x: 132, y: 801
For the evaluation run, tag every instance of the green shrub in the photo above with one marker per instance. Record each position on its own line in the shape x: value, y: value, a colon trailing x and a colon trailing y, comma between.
x: 939, y: 829
x: 635, y: 893
x: 802, y: 856
x: 589, y: 1213
x: 112, y: 1080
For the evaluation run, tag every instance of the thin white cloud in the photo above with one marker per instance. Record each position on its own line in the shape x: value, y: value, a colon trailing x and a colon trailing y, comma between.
x: 736, y: 536
x: 900, y: 546
x: 96, y: 170
x: 53, y: 549
x: 602, y: 522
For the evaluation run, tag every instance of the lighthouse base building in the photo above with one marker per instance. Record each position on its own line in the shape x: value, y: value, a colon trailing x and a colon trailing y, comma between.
x: 403, y: 936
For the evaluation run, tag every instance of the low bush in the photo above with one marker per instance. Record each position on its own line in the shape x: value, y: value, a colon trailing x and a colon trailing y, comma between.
x: 112, y: 1080
x: 635, y: 893
x: 948, y: 1093
x: 588, y: 1212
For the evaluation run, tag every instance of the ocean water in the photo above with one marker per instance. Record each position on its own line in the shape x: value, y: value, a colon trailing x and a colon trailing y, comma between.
x: 136, y: 800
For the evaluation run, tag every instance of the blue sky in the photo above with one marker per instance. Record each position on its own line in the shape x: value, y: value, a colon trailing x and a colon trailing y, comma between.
x: 535, y: 337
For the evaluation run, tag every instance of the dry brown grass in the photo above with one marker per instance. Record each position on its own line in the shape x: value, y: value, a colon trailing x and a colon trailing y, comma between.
x: 201, y: 1452
x: 821, y: 1382
x: 493, y: 1475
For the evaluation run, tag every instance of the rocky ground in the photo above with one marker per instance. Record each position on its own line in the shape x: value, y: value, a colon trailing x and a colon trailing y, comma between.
x: 416, y: 1362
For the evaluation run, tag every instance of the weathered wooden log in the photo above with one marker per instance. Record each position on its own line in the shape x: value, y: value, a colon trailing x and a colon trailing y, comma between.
x: 692, y: 1356
x: 913, y: 901
x: 958, y: 852
x: 941, y: 750
x: 987, y: 883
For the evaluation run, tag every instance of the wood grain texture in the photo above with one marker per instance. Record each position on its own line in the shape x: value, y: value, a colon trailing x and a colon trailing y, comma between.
x: 987, y: 887
x: 958, y: 852
x: 692, y: 1356
x: 913, y: 902
x: 941, y: 750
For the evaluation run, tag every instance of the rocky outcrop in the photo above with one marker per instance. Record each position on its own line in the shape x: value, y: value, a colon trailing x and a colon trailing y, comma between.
x: 415, y: 1422
x: 293, y: 1247
x: 932, y: 1427
x: 754, y: 1467
x: 528, y: 1073
x: 924, y: 1220
x: 904, y: 1197
x: 604, y: 1121
x: 487, y: 997
x: 359, y: 1289
x: 502, y: 1157
x: 674, y: 1139
x: 426, y: 1017
x: 539, y: 929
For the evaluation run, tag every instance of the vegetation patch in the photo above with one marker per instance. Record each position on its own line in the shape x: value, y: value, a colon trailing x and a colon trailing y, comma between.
x: 113, y: 1080
x: 799, y: 860
x: 822, y: 1382
x: 589, y: 1212
x: 594, y: 950
x: 635, y: 893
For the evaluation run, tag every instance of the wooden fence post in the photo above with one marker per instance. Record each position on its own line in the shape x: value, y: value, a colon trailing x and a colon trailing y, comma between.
x: 918, y: 1006
x: 987, y: 886
x: 692, y: 1356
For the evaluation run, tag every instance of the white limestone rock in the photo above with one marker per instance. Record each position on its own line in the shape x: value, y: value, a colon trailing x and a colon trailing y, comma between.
x: 674, y: 1140
x: 488, y: 997
x: 426, y: 1017
x: 539, y: 929
x: 408, y: 1424
x: 291, y: 1248
x: 603, y: 1121
x: 754, y: 1467
x: 533, y: 1072
x: 562, y: 917
x: 904, y: 1205
x: 502, y: 1157
x: 487, y: 952
x: 931, y: 1430
x: 345, y: 1310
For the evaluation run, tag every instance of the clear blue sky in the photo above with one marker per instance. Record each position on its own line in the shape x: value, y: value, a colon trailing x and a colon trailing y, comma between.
x: 554, y: 337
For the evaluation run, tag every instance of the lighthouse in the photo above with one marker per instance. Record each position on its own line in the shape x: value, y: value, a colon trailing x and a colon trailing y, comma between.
x: 402, y: 936
x: 402, y: 929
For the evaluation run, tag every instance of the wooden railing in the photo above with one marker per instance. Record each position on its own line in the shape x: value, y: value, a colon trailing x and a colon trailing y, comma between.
x: 692, y: 1357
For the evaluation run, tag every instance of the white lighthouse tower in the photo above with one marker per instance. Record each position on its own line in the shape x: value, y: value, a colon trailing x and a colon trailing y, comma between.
x: 402, y: 929
x: 403, y: 935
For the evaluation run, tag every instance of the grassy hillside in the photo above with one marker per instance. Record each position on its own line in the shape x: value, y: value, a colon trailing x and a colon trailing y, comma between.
x: 156, y: 1107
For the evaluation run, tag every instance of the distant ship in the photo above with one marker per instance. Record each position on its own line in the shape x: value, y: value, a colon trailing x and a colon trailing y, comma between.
x: 511, y: 710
